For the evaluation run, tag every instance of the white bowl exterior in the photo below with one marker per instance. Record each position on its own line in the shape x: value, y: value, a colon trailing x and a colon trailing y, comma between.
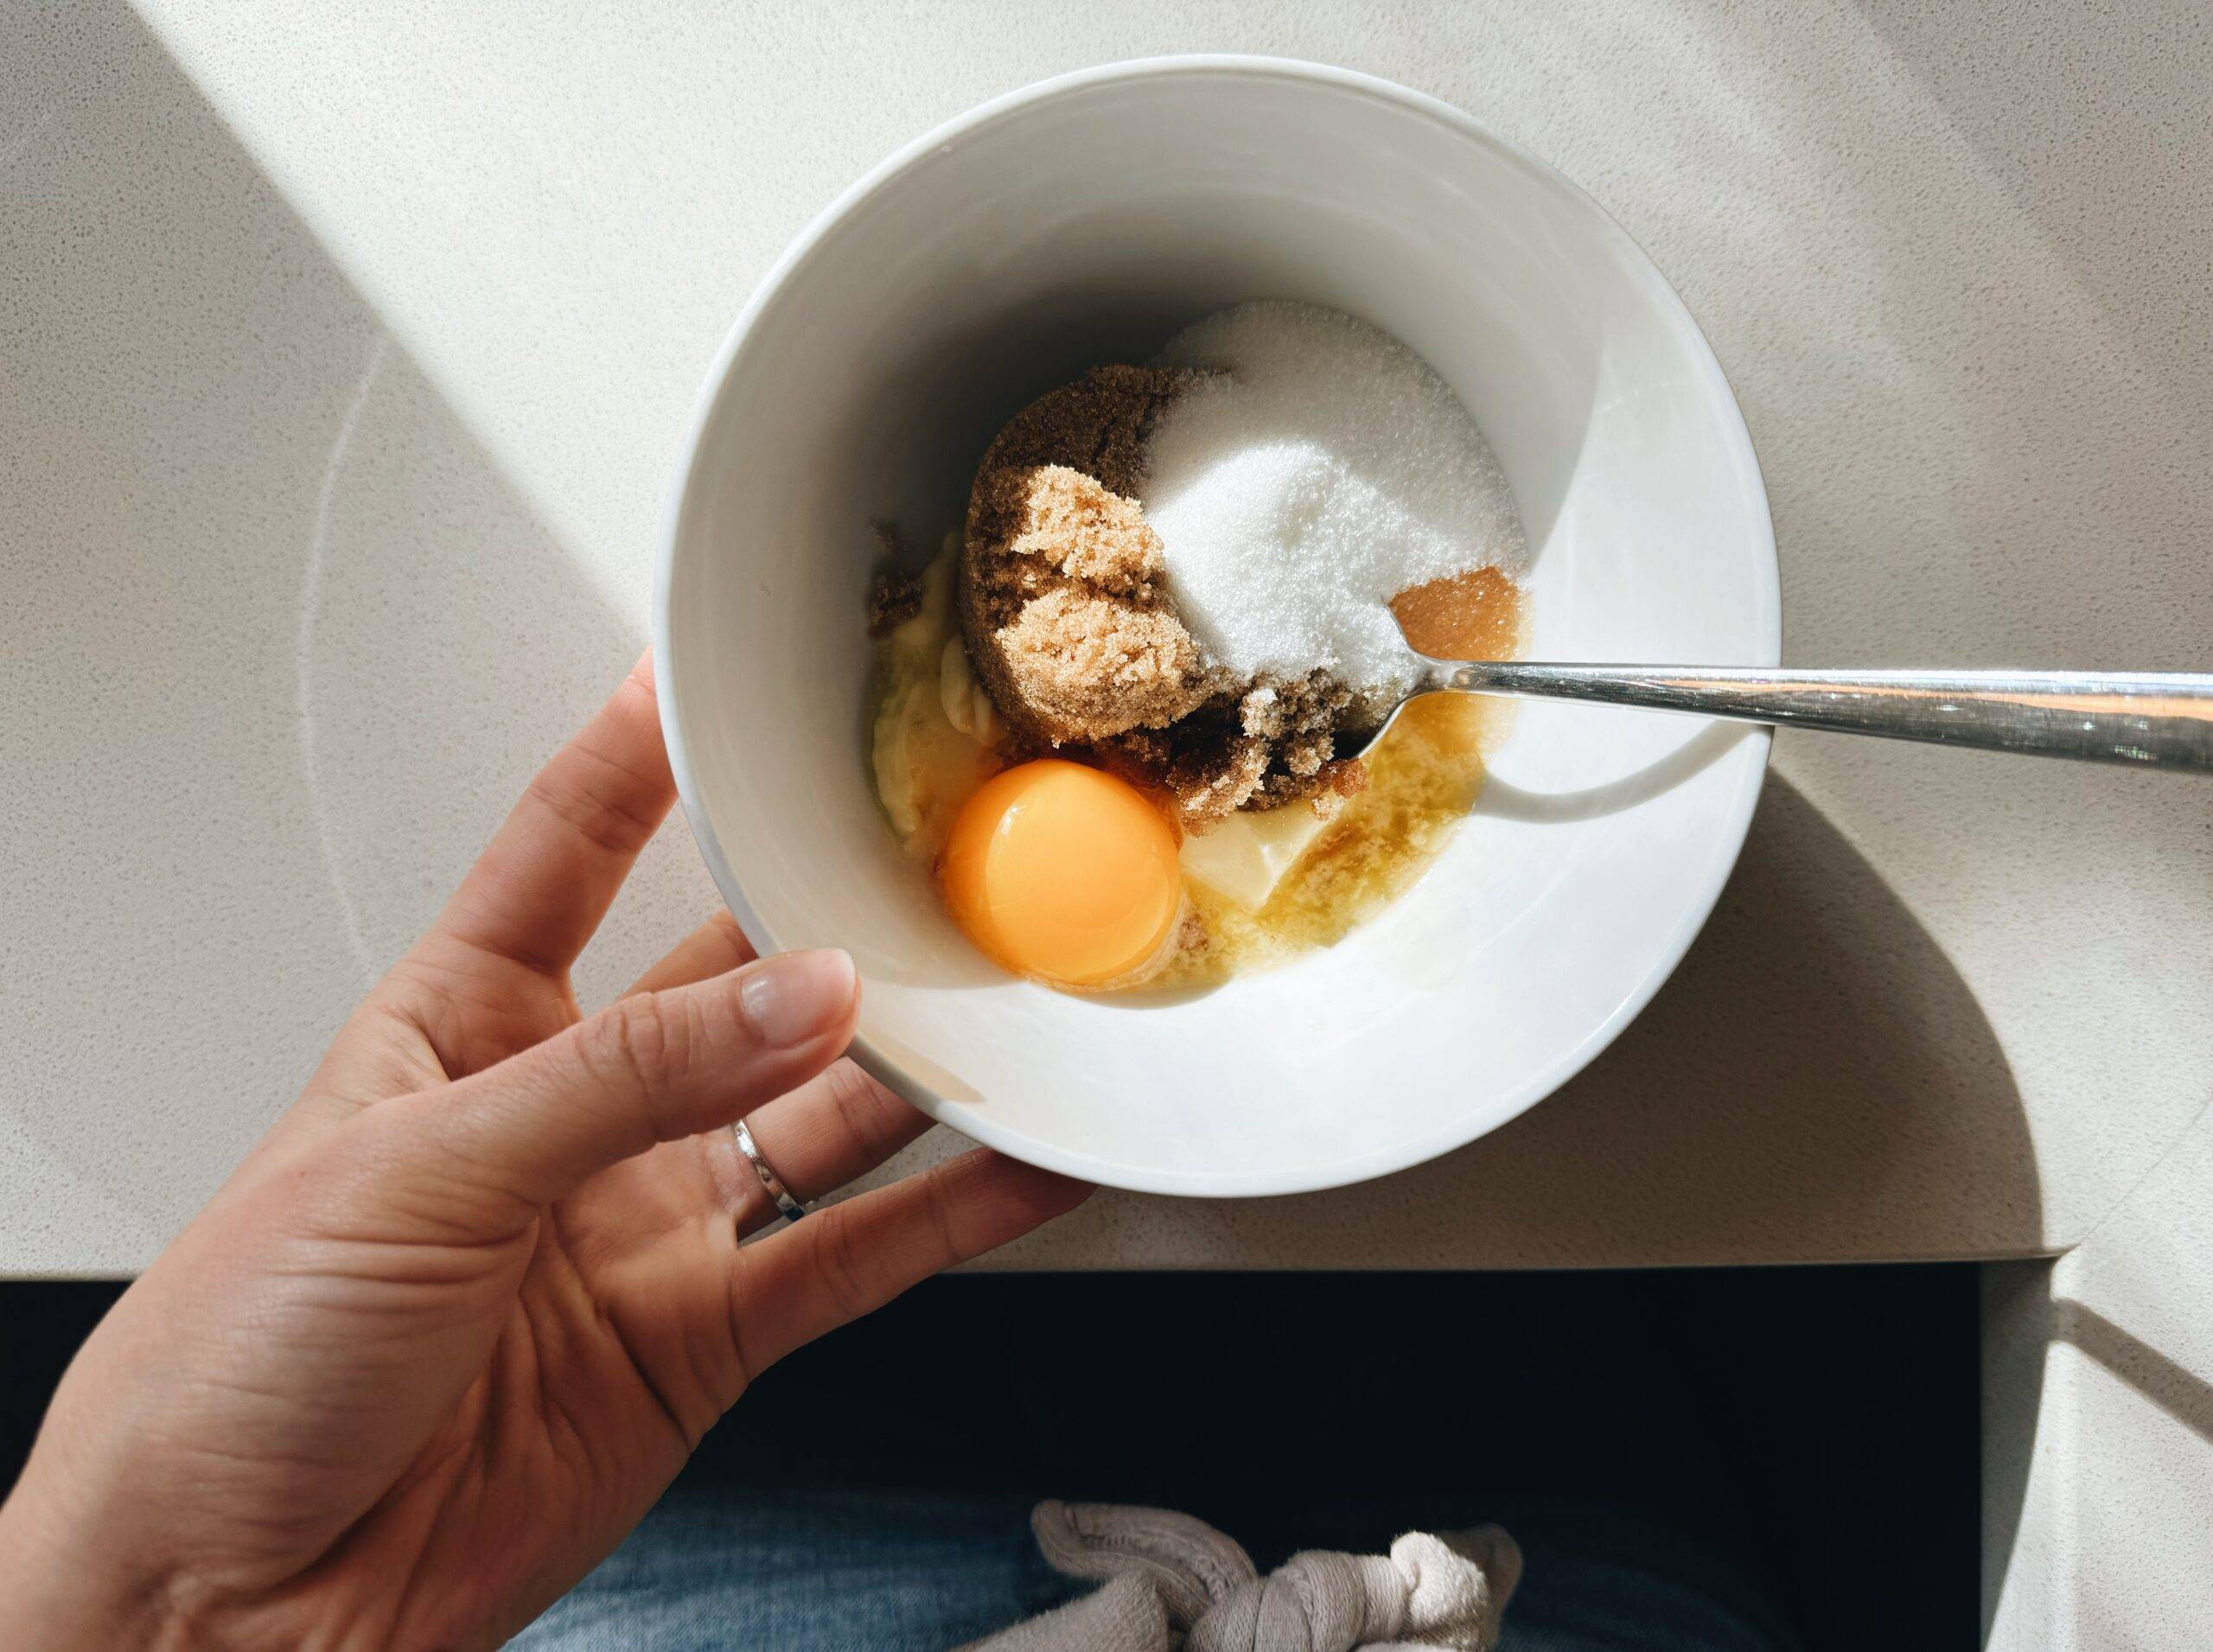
x: 1082, y: 221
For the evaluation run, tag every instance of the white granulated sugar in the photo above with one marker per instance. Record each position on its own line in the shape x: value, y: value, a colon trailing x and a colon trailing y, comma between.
x: 1322, y: 471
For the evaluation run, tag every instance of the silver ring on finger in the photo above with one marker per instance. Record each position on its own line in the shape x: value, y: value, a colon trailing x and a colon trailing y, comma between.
x: 789, y: 1209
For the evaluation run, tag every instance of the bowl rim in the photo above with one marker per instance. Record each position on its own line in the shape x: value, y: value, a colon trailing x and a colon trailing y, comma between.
x: 976, y: 1122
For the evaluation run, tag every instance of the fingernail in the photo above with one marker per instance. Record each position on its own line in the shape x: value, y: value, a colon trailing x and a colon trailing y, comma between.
x: 795, y: 997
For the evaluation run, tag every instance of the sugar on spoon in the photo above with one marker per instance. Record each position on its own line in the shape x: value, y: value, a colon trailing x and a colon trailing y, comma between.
x: 2150, y: 719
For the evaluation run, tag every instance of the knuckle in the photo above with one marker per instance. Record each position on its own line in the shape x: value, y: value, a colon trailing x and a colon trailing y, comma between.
x: 839, y: 1264
x: 635, y: 1043
x: 858, y: 1101
x: 589, y: 793
x: 938, y: 1204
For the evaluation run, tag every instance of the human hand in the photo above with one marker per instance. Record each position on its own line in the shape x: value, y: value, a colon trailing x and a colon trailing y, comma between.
x: 456, y: 1323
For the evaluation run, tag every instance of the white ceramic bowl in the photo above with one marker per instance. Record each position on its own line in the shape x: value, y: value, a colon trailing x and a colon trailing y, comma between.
x: 1083, y: 220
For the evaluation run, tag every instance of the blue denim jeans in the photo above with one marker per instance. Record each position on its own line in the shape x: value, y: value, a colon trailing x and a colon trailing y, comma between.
x: 879, y: 1573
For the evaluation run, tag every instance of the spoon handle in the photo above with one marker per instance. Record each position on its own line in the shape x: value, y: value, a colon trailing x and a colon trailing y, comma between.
x: 2153, y: 719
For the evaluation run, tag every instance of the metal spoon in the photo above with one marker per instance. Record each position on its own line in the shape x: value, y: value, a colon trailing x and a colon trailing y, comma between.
x: 2151, y: 720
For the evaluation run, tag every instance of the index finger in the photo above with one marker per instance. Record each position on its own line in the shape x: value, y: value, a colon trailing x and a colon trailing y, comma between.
x: 539, y: 890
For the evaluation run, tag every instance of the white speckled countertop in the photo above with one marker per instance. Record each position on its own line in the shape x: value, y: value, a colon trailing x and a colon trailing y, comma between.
x: 342, y: 355
x: 341, y: 363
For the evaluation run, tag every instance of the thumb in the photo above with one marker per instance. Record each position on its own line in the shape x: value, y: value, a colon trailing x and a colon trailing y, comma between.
x: 652, y: 1067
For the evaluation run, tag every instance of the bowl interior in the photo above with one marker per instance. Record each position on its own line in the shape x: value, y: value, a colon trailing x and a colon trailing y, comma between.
x: 1084, y: 222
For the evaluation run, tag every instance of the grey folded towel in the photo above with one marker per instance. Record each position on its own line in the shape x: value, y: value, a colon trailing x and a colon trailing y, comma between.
x: 1173, y: 1583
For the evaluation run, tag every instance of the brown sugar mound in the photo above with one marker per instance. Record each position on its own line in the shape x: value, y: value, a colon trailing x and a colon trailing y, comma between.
x: 1065, y: 608
x: 1071, y: 625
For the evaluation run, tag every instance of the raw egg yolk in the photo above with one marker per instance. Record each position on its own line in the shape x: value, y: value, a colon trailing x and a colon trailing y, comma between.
x: 1064, y: 873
